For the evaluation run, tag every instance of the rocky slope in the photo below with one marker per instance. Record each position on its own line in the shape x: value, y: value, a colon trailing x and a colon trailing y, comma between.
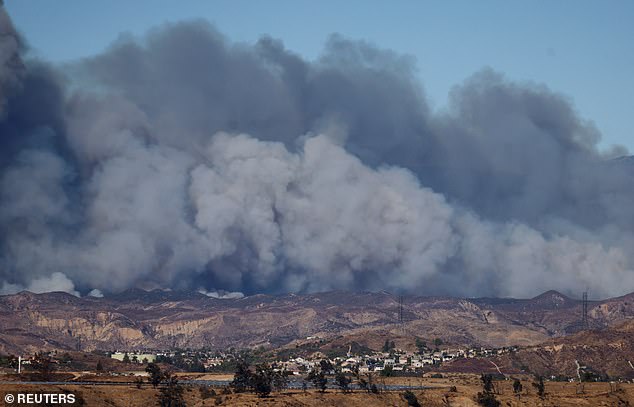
x: 595, y: 352
x: 165, y: 319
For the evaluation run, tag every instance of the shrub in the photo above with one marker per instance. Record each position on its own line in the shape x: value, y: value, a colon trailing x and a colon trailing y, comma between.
x: 487, y: 400
x: 411, y: 399
x: 517, y: 388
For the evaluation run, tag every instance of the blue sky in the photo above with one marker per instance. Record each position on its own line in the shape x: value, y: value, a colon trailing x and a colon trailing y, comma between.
x: 583, y: 49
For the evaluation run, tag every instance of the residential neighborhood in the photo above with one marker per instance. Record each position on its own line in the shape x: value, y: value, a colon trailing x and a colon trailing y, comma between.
x: 393, y: 360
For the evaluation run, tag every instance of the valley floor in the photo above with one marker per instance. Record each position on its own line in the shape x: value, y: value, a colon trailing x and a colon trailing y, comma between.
x: 558, y: 395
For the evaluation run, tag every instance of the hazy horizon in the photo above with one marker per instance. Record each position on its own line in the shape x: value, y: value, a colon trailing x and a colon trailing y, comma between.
x: 234, y: 295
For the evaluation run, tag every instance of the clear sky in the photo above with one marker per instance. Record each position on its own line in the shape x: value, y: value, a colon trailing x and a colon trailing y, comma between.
x: 583, y: 49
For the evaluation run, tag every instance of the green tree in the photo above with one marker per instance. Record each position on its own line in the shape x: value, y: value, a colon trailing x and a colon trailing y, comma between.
x: 262, y: 380
x: 171, y: 395
x: 126, y: 358
x: 155, y: 374
x: 242, y: 379
x: 280, y: 380
x: 326, y: 366
x: 318, y: 378
x: 438, y: 342
x: 342, y: 381
x: 99, y: 366
x: 487, y: 383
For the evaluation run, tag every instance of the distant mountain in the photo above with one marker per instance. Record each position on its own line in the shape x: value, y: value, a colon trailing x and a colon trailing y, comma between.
x: 549, y: 300
x: 166, y: 319
x: 552, y: 311
x: 155, y: 296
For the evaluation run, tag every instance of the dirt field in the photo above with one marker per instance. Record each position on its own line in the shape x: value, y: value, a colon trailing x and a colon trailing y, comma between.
x: 558, y: 395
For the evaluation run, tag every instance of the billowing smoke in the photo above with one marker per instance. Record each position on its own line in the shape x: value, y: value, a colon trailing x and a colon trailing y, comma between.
x: 184, y: 161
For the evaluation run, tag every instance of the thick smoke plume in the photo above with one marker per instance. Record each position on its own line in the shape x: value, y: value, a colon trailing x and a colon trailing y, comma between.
x: 182, y: 160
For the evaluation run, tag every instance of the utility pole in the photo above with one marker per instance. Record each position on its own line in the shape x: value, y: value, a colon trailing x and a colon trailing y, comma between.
x: 19, y: 364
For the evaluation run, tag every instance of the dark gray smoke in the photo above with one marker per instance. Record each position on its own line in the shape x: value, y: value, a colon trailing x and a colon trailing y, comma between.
x: 183, y: 160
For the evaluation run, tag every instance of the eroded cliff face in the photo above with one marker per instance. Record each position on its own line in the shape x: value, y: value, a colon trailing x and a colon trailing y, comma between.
x: 616, y: 309
x: 97, y: 330
x: 166, y: 329
x: 101, y: 326
x: 160, y: 320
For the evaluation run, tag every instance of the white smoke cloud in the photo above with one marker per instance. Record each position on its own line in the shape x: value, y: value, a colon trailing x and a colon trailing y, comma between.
x: 55, y: 282
x: 252, y: 213
x: 95, y: 293
x: 336, y: 223
x: 8, y: 288
x: 222, y: 295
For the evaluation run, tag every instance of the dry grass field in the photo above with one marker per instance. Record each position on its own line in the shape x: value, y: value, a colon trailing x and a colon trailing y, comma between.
x: 467, y: 386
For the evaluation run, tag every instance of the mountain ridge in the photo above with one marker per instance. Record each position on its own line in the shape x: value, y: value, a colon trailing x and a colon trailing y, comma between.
x: 165, y: 319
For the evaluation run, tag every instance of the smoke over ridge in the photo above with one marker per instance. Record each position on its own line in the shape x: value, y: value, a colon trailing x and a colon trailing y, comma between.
x: 182, y: 160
